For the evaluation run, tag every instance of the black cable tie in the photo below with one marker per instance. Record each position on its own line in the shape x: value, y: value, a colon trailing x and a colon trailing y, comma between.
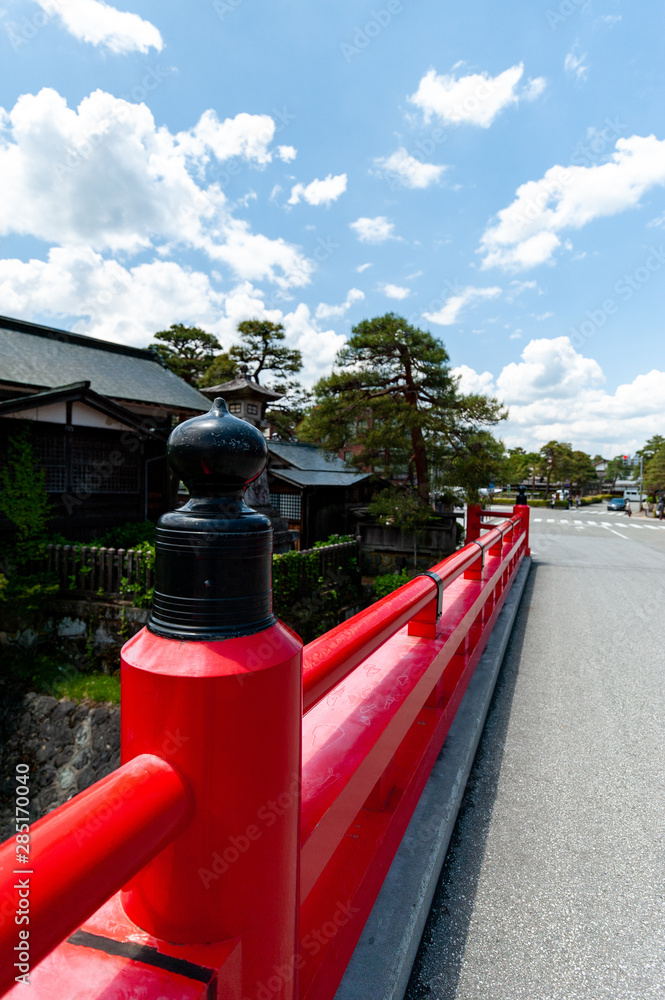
x: 439, y: 586
x: 475, y: 541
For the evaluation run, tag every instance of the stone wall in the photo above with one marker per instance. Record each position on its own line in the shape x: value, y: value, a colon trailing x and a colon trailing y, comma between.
x: 67, y: 747
x: 88, y: 634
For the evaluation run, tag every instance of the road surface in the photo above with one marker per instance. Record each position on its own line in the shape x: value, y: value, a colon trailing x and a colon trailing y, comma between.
x: 554, y: 883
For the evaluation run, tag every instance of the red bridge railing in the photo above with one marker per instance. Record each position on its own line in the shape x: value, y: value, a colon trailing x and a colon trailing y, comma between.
x: 238, y: 850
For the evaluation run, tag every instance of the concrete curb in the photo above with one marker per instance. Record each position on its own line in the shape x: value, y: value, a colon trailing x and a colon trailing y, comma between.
x: 382, y: 962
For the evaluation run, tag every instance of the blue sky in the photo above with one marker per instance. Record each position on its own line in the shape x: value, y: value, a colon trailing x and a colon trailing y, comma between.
x: 495, y: 173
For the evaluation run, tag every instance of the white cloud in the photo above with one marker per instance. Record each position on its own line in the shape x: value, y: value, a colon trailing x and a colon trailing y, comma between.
x: 475, y: 99
x: 319, y: 192
x: 555, y: 393
x: 105, y: 176
x: 525, y: 233
x: 247, y: 136
x: 100, y: 24
x: 550, y: 369
x: 362, y: 267
x: 376, y: 230
x: 108, y: 300
x: 287, y: 153
x: 449, y: 312
x: 395, y: 291
x: 534, y: 88
x: 318, y: 347
x: 573, y: 64
x: 324, y: 311
x: 101, y: 298
x: 516, y: 288
x: 408, y: 170
x: 470, y: 381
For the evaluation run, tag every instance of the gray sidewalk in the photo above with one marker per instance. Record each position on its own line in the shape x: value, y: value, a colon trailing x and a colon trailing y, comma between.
x: 554, y: 883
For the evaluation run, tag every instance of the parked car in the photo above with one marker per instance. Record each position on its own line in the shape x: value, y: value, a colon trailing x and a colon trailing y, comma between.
x: 616, y: 503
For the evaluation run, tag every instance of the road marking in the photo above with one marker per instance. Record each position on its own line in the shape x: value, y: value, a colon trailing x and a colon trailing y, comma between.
x: 649, y: 527
x: 551, y: 520
x: 638, y: 527
x: 618, y: 533
x: 594, y: 523
x: 537, y: 520
x: 606, y: 524
x: 564, y: 520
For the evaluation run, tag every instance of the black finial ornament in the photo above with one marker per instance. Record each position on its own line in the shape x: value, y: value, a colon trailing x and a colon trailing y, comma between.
x: 213, y: 565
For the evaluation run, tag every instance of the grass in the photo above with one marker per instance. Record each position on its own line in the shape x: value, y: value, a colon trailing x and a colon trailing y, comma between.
x: 49, y: 674
x: 88, y: 687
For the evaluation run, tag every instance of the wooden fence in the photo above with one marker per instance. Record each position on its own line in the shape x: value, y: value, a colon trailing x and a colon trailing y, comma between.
x: 107, y: 571
x: 99, y: 571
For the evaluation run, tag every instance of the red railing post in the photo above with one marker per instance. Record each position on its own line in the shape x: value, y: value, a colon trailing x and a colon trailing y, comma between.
x: 473, y: 516
x: 221, y: 677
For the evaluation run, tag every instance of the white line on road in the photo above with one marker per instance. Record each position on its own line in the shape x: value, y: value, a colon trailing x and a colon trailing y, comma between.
x: 638, y: 527
x: 594, y: 523
x: 537, y: 520
x: 619, y: 534
x: 564, y: 520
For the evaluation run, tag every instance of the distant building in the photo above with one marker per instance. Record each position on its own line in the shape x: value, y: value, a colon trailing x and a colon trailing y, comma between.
x: 100, y: 414
x: 245, y: 398
x: 314, y: 493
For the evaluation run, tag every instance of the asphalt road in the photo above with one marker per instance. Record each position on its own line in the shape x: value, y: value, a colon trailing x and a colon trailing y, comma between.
x: 554, y: 883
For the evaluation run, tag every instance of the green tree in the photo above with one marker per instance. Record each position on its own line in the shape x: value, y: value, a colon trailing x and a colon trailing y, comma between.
x: 402, y: 508
x: 556, y: 461
x: 654, y: 470
x: 519, y: 465
x: 262, y: 351
x: 393, y: 394
x: 222, y: 369
x: 618, y: 468
x: 582, y: 471
x: 653, y: 445
x: 476, y: 458
x: 24, y: 500
x: 186, y: 350
x: 287, y: 414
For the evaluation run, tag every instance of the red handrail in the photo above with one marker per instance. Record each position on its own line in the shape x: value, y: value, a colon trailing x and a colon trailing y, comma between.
x: 328, y: 659
x: 83, y: 852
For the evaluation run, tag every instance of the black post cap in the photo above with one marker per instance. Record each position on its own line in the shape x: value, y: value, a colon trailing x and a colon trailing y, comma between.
x: 213, y: 565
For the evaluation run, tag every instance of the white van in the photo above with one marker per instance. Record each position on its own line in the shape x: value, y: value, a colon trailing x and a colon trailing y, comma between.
x: 634, y: 495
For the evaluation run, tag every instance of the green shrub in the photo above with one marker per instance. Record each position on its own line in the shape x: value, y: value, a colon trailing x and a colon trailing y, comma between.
x: 385, y: 584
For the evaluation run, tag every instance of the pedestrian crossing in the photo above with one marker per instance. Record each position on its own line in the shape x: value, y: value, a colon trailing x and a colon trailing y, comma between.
x: 582, y: 523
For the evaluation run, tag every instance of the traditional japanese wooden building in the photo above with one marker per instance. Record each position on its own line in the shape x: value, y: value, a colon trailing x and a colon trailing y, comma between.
x: 98, y: 415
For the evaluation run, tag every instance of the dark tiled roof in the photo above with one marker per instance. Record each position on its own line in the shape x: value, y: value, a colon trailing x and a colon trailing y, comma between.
x: 309, y: 466
x: 42, y: 357
x: 307, y: 456
x: 241, y: 386
x: 307, y: 477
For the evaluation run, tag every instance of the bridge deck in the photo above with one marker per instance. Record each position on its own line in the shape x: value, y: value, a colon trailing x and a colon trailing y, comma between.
x: 553, y: 884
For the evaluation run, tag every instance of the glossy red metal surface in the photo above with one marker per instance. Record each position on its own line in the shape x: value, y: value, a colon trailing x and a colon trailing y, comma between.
x: 81, y: 853
x: 228, y: 715
x: 210, y: 835
x: 381, y: 728
x: 327, y: 660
